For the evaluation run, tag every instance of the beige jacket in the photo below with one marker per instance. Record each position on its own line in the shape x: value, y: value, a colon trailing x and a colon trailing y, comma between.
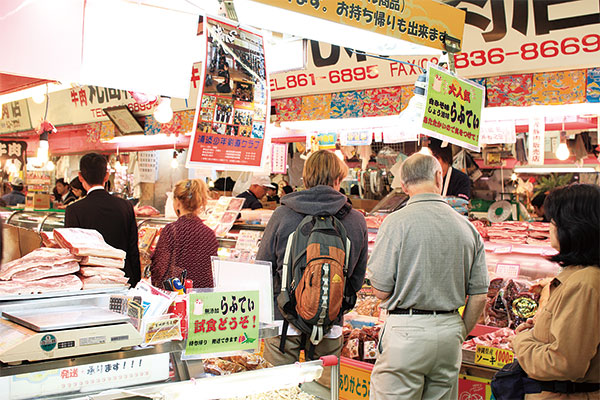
x: 564, y: 344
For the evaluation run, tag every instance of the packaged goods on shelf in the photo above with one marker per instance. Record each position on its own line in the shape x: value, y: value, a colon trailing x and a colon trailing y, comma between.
x: 361, y: 343
x: 233, y: 364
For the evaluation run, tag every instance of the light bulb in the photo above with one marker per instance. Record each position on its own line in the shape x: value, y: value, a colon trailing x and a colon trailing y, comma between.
x: 39, y: 97
x: 513, y: 177
x: 174, y: 163
x: 42, y: 152
x: 49, y: 166
x: 562, y: 152
x: 163, y: 112
x: 425, y: 150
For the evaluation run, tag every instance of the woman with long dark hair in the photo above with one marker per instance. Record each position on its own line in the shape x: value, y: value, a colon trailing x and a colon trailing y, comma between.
x: 562, y: 348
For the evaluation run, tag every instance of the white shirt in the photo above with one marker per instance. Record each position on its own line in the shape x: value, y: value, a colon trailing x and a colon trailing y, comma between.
x: 98, y: 187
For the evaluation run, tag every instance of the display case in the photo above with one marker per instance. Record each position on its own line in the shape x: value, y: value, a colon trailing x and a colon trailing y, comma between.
x: 38, y: 221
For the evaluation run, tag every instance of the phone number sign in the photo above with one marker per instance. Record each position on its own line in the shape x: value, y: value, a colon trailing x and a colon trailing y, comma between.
x: 453, y: 108
x: 222, y: 322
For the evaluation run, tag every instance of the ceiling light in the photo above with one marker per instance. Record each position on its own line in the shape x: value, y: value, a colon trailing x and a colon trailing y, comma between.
x: 562, y: 152
x: 50, y: 166
x: 513, y: 177
x: 40, y: 96
x: 555, y: 168
x: 163, y: 112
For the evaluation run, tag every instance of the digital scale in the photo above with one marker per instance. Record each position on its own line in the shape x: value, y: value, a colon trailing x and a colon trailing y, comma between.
x: 64, y: 331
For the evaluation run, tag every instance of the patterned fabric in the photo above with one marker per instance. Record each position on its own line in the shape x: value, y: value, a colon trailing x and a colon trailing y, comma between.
x: 383, y: 101
x: 186, y: 244
x: 593, y: 85
x: 181, y: 123
x: 315, y: 107
x: 288, y: 109
x: 562, y: 87
x: 97, y: 131
x: 512, y: 90
x: 347, y: 104
x: 481, y: 81
x: 407, y: 94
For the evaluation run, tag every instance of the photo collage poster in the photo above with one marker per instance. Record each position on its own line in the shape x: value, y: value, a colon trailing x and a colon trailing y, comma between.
x: 231, y: 114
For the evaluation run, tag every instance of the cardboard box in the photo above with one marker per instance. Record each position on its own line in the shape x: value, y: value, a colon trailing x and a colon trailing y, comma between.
x: 37, y: 201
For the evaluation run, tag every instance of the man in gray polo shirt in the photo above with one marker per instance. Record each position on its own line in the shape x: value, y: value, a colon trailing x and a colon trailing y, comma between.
x: 427, y: 259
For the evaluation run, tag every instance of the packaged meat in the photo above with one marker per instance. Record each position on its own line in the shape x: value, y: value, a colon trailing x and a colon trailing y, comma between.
x: 361, y: 344
x: 102, y: 262
x: 39, y: 258
x: 65, y: 283
x: 86, y: 242
x: 101, y: 271
x: 510, y: 302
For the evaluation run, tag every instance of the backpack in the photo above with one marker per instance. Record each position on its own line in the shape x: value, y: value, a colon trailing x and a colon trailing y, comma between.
x: 313, y: 282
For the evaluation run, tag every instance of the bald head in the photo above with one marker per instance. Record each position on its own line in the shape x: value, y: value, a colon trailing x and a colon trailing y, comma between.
x: 422, y: 173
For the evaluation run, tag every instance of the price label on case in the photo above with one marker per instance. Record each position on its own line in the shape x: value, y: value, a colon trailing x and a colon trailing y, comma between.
x: 493, y: 357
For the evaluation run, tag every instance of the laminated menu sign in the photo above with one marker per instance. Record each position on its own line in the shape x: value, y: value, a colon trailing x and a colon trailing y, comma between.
x: 222, y: 322
x: 453, y: 108
x: 232, y: 112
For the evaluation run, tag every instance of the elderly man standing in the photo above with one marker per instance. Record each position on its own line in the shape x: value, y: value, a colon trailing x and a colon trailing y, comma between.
x: 426, y: 261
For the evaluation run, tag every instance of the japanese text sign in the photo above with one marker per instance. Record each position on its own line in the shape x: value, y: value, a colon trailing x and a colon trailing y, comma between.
x: 536, y: 139
x: 13, y: 152
x: 493, y: 357
x: 424, y: 22
x: 14, y: 117
x: 279, y: 158
x: 222, y: 322
x: 232, y: 113
x: 355, y: 380
x: 453, y: 108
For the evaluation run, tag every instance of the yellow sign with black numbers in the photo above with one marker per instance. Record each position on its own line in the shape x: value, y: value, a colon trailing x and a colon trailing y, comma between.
x: 424, y: 22
x: 493, y: 357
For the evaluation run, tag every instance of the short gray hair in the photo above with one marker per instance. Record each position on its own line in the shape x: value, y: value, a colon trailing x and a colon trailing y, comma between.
x: 419, y: 168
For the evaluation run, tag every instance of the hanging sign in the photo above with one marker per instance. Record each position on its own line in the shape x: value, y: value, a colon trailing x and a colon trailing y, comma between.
x: 493, y: 132
x: 232, y: 112
x: 279, y: 158
x: 362, y: 137
x: 424, y: 22
x: 537, y: 133
x: 453, y: 108
x: 14, y: 117
x: 221, y: 322
x: 327, y: 141
x: 13, y: 156
x: 506, y: 37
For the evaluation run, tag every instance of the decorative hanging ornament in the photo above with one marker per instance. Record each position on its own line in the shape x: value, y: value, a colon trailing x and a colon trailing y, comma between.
x: 45, y: 127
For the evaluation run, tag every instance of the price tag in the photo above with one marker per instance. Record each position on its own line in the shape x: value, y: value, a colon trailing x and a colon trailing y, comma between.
x: 503, y: 250
x: 508, y: 270
x: 493, y: 357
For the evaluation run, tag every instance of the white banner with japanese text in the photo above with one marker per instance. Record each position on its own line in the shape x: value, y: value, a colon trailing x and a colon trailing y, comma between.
x: 14, y: 117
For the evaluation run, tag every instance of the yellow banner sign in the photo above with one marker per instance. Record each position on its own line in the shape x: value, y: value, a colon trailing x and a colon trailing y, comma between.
x: 424, y: 22
x: 355, y: 379
x: 493, y: 357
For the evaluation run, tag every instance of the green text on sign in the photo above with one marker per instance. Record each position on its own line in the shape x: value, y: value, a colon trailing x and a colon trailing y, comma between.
x: 453, y: 108
x: 222, y: 322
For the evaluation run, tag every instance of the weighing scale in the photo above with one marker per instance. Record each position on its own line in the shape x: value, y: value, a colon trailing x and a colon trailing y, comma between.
x: 65, y: 331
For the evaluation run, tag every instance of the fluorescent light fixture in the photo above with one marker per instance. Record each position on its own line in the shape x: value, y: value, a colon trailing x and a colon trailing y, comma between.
x: 280, y: 20
x: 557, y: 112
x: 329, y: 125
x: 146, y: 140
x: 555, y: 168
x: 32, y: 91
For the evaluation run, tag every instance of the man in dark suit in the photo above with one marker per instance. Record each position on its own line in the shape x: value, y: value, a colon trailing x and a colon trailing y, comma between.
x: 113, y: 217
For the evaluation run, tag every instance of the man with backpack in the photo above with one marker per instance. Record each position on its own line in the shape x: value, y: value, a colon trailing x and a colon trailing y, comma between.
x: 317, y: 245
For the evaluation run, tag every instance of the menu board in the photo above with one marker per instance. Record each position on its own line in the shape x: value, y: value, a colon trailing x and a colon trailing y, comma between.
x: 232, y: 113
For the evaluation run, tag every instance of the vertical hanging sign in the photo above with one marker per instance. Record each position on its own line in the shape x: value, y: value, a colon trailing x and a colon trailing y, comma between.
x: 537, y: 133
x: 232, y: 113
x: 279, y: 158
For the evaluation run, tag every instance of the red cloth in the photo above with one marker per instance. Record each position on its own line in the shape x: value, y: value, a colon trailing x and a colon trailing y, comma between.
x: 185, y: 244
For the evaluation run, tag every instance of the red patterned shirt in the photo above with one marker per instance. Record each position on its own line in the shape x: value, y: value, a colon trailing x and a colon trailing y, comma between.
x: 186, y: 244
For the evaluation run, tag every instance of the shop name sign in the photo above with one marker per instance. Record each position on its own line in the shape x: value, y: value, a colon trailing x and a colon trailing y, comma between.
x: 453, y: 108
x: 14, y: 117
x: 503, y: 37
x: 424, y: 22
x: 332, y: 68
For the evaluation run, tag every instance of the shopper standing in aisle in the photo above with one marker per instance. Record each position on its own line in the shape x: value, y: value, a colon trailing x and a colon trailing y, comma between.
x: 427, y: 259
x: 322, y: 175
x: 562, y: 348
x: 64, y: 191
x: 113, y: 217
x: 257, y: 190
x: 455, y: 183
x: 186, y: 244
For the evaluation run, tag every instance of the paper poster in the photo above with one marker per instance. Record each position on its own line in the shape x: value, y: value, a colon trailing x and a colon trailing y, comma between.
x: 232, y: 113
x: 222, y: 322
x: 536, y: 138
x: 453, y: 108
x: 327, y: 141
x: 279, y: 158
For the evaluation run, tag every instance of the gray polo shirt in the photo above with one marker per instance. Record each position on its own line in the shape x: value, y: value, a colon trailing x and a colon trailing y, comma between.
x: 428, y: 256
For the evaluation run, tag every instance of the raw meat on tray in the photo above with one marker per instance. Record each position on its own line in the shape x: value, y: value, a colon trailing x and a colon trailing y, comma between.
x: 40, y: 263
x: 86, y: 242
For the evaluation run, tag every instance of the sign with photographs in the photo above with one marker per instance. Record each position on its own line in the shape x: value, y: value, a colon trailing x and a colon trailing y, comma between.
x: 232, y: 112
